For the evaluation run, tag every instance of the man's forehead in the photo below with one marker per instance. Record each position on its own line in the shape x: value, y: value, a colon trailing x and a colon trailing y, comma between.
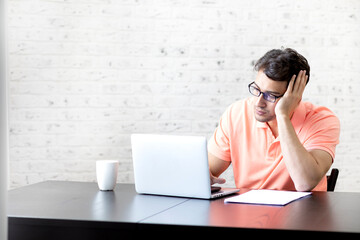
x: 268, y: 85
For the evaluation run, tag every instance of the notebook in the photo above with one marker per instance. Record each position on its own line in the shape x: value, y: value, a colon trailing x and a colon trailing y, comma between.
x: 267, y: 197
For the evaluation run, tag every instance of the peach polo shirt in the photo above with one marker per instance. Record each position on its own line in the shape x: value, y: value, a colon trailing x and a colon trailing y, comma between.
x: 255, y: 153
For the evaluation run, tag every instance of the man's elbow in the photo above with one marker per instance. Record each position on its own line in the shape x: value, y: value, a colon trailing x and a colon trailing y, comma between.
x: 306, y: 186
x: 303, y: 188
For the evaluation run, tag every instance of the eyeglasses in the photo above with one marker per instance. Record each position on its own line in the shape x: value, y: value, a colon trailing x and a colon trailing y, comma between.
x: 267, y: 96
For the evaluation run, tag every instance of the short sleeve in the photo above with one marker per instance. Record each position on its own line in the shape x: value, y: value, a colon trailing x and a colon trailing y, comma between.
x: 219, y: 143
x: 323, y: 131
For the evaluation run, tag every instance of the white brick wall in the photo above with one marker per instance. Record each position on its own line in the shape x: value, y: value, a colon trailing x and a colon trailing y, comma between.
x: 85, y: 74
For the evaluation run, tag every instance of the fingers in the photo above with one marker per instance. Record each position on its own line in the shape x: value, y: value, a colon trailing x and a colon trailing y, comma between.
x: 300, y: 82
x: 304, y: 83
x: 214, y: 180
x: 219, y: 180
x: 291, y: 83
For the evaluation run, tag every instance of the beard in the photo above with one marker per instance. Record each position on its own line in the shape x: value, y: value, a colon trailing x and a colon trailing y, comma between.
x: 262, y: 115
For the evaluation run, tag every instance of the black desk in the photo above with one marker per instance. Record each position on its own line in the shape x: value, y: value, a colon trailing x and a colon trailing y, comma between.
x: 77, y: 210
x: 74, y: 210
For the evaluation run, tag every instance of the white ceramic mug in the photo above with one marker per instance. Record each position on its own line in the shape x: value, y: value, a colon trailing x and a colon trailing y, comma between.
x: 106, y: 174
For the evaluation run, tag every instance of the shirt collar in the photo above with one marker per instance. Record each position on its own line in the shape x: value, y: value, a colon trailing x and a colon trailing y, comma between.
x: 261, y: 124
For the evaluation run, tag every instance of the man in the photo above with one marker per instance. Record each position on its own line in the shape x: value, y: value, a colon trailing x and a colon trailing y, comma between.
x: 274, y: 140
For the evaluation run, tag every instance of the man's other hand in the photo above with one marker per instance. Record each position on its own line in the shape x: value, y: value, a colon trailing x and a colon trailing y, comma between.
x: 214, y: 180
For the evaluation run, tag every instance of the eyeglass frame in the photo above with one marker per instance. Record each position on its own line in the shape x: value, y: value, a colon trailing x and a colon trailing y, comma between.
x: 265, y: 94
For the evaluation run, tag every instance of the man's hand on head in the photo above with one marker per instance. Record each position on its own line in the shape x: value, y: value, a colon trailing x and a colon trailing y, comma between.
x: 293, y: 95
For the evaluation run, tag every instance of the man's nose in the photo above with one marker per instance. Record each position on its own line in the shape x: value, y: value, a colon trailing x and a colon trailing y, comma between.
x: 261, y: 102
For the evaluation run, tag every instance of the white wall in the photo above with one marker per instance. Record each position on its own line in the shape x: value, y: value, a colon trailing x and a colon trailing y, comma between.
x: 3, y: 128
x: 85, y: 74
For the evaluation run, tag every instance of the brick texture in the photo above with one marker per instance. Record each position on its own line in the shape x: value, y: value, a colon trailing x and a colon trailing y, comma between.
x: 85, y: 74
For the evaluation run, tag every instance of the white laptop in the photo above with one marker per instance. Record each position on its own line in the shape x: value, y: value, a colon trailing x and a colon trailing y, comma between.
x: 174, y: 166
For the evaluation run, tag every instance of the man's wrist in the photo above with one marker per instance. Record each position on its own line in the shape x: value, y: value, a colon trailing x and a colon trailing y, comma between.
x: 283, y: 116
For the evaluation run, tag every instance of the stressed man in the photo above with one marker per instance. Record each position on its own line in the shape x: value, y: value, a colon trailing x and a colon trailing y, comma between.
x: 273, y: 139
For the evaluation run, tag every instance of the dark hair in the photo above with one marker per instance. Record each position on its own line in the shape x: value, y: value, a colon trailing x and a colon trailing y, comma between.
x: 282, y: 64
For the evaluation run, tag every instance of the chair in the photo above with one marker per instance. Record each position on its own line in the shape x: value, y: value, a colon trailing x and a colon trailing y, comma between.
x: 331, y: 179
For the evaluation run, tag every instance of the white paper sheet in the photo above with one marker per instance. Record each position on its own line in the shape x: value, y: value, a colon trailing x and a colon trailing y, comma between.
x: 267, y: 197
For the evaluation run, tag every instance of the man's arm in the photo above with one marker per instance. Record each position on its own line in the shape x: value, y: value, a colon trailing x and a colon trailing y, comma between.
x: 217, y: 166
x: 306, y: 168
